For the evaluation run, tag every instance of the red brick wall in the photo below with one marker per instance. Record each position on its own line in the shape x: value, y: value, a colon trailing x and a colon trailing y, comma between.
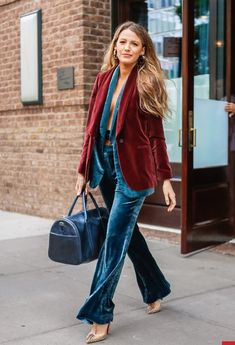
x: 40, y: 145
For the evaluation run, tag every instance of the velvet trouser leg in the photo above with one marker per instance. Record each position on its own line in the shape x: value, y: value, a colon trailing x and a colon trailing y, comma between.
x: 151, y: 281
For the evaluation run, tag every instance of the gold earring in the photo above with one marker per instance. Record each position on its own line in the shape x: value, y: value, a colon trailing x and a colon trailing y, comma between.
x: 141, y: 60
x: 115, y: 54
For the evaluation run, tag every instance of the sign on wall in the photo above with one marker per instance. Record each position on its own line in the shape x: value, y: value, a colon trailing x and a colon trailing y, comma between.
x: 31, y: 58
x: 65, y: 78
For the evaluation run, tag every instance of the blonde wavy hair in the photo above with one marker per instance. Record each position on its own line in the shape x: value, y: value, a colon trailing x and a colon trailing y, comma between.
x: 150, y: 80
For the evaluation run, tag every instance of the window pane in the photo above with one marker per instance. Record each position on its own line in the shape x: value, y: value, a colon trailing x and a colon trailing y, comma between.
x: 210, y: 119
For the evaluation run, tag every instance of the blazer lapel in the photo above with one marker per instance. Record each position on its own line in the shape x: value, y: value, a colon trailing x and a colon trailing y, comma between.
x: 101, y: 97
x: 126, y: 98
x: 99, y: 102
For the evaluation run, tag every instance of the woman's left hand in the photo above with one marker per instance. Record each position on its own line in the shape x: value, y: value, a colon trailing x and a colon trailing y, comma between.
x: 169, y: 195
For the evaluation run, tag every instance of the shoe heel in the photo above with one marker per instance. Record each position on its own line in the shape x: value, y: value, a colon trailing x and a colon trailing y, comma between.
x: 94, y: 337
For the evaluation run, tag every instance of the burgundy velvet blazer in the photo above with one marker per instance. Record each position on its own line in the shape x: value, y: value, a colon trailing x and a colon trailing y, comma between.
x: 140, y: 137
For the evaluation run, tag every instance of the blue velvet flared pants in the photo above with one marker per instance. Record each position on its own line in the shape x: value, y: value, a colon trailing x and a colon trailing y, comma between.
x: 123, y: 236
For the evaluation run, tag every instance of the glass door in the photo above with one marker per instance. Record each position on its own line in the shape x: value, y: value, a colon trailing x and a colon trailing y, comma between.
x: 205, y: 197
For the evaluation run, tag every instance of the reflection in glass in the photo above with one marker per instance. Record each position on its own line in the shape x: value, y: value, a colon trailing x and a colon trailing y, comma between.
x: 165, y: 29
x: 164, y: 22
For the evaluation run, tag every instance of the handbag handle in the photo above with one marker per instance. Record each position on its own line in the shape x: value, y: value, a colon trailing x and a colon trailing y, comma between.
x: 84, y: 202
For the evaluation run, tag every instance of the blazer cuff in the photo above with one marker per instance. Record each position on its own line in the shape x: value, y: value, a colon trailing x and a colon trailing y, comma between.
x: 164, y: 175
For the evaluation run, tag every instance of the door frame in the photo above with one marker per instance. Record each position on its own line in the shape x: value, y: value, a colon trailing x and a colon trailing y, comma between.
x: 230, y: 90
x: 187, y: 106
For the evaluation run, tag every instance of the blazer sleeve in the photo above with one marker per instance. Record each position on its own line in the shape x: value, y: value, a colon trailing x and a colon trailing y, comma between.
x: 81, y: 168
x: 158, y: 145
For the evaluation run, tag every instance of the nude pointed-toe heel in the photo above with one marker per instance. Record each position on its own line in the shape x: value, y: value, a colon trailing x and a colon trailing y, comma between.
x: 154, y: 307
x: 94, y: 336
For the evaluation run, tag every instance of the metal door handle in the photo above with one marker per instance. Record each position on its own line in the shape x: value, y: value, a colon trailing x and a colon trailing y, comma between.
x: 180, y: 137
x: 193, y: 141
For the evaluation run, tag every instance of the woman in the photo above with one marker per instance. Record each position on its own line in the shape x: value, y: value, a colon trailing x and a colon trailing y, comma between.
x: 124, y: 152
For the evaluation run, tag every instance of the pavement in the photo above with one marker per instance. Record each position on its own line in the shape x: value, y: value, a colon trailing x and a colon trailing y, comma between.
x: 39, y: 298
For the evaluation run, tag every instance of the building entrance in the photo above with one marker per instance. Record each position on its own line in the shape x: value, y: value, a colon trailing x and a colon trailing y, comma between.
x: 194, y: 48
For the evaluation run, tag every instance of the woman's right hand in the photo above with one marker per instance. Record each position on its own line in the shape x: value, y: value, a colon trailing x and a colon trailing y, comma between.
x: 81, y: 184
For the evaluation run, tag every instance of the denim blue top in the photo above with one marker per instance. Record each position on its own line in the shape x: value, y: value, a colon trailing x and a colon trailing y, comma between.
x: 97, y: 170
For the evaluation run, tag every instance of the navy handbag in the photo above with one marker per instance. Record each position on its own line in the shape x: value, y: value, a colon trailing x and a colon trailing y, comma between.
x: 78, y: 238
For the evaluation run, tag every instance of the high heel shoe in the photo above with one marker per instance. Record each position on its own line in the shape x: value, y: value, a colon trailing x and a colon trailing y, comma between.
x: 94, y: 335
x: 154, y: 307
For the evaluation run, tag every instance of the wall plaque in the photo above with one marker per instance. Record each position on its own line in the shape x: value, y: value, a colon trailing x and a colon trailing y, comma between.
x: 65, y: 78
x: 172, y: 47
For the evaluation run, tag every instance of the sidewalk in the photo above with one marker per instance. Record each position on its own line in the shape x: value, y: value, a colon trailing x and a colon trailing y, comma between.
x: 39, y: 299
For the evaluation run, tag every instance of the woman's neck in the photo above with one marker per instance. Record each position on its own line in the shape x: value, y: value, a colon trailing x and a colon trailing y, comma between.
x: 125, y: 70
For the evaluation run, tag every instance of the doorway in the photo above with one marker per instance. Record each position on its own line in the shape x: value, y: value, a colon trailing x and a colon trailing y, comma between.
x: 193, y: 44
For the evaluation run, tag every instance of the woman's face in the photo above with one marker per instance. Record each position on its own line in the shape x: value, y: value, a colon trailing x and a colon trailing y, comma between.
x: 129, y: 47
